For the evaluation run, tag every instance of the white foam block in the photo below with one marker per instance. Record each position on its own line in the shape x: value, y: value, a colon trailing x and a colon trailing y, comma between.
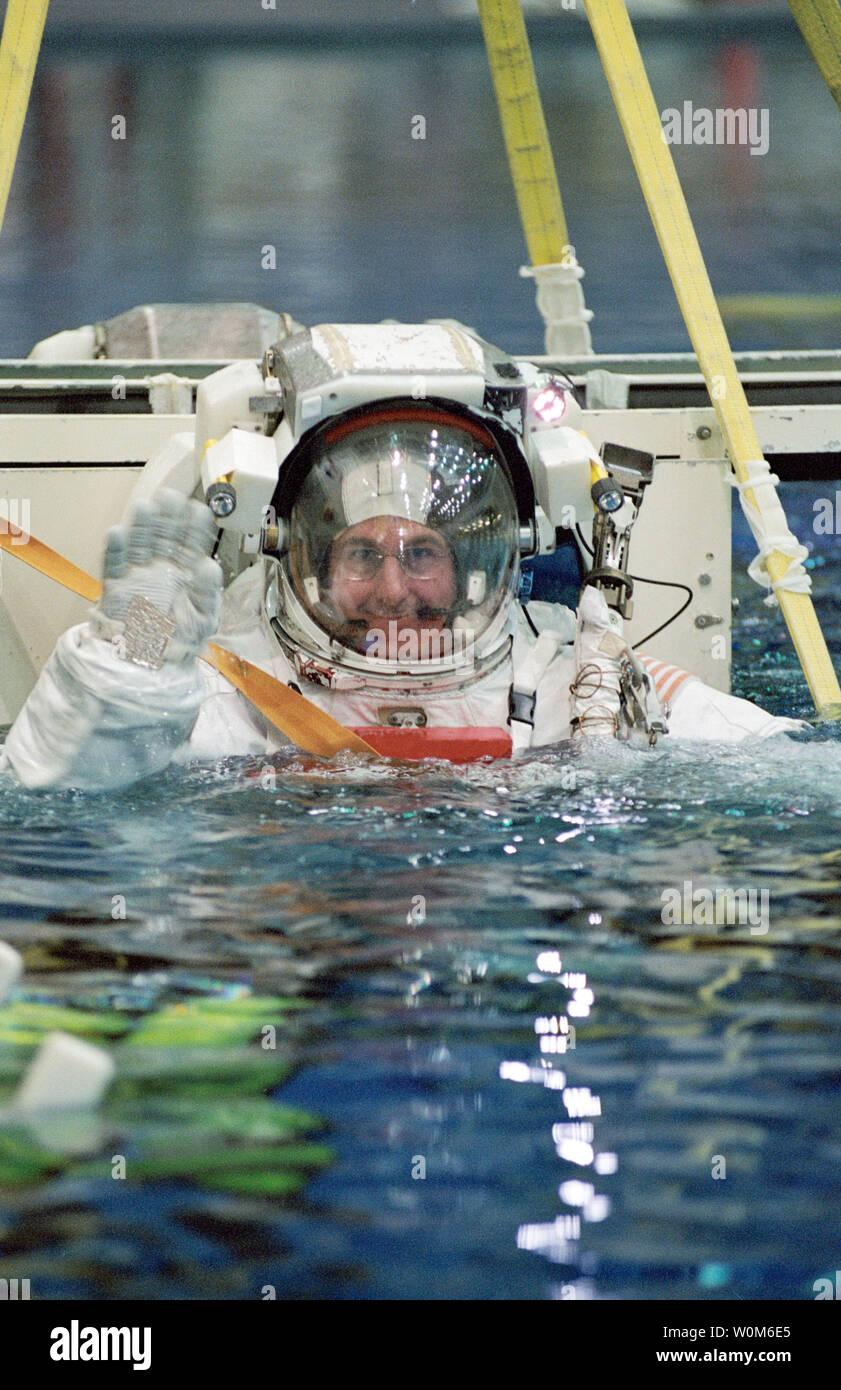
x: 65, y: 1074
x: 11, y: 969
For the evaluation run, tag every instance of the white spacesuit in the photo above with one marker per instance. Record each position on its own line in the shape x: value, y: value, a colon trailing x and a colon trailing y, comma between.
x: 388, y: 527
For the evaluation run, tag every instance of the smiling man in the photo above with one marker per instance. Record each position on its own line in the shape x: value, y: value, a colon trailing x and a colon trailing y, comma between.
x: 395, y: 583
x: 403, y: 532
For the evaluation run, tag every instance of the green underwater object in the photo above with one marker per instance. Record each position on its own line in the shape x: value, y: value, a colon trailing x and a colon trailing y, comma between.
x: 25, y: 1022
x: 209, y: 1022
x: 188, y: 1103
x: 201, y: 1073
x: 251, y: 1145
x: 24, y: 1162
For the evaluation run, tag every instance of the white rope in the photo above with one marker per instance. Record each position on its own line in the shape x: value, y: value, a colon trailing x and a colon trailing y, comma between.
x: 767, y: 521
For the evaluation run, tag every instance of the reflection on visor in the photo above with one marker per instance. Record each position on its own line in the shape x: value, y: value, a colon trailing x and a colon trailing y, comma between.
x: 362, y: 560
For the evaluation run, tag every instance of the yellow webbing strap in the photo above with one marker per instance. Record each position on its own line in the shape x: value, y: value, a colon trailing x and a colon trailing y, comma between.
x: 300, y: 720
x: 47, y: 561
x: 638, y: 113
x: 820, y: 24
x: 22, y: 30
x: 524, y: 130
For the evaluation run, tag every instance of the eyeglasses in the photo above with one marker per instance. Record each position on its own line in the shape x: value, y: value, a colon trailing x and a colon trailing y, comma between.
x: 418, y: 559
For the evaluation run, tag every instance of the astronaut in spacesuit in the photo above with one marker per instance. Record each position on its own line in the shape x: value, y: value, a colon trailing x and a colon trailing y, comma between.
x: 385, y: 588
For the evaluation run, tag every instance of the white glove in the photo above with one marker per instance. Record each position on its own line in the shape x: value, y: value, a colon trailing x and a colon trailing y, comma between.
x: 162, y: 593
x: 599, y: 643
x: 119, y: 695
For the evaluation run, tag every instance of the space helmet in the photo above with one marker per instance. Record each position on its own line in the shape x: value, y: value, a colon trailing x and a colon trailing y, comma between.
x: 401, y: 546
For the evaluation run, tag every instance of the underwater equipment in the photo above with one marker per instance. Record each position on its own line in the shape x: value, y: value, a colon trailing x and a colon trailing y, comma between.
x: 66, y: 1073
x: 11, y: 968
x: 179, y: 1068
x: 617, y: 492
x: 619, y: 481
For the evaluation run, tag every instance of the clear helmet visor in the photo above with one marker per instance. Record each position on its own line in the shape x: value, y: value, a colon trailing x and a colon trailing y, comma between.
x: 403, y: 534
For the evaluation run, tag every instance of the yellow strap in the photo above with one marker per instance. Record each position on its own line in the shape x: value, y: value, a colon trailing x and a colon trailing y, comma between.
x: 300, y: 720
x: 632, y: 94
x: 303, y: 722
x: 22, y: 30
x: 47, y: 561
x: 524, y: 130
x: 820, y: 25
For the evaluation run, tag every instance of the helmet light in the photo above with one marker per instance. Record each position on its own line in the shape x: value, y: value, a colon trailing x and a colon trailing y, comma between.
x: 548, y: 405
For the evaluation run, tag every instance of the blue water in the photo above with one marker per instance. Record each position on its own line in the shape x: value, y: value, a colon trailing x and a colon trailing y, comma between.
x: 439, y: 923
x: 312, y: 153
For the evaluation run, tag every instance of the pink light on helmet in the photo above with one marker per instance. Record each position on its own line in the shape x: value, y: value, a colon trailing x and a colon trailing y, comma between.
x: 548, y: 404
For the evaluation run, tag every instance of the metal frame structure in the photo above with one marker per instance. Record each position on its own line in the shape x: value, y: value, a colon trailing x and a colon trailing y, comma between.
x: 74, y: 439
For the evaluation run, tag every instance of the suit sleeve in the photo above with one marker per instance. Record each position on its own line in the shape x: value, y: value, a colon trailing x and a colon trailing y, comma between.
x: 97, y: 722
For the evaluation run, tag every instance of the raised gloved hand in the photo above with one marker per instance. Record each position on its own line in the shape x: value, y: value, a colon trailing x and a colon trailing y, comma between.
x: 105, y: 713
x: 161, y: 590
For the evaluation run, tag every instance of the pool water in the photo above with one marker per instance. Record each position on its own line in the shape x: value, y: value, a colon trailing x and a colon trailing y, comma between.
x: 448, y: 933
x: 428, y: 944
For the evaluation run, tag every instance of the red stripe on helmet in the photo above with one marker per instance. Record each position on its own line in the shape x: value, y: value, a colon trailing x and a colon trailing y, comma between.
x: 427, y: 415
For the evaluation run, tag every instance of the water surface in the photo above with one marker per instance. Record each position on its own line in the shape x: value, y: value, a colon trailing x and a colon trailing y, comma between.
x: 442, y: 931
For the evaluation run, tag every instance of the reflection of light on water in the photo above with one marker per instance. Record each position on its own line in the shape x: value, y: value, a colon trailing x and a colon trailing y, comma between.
x: 585, y: 1132
x: 595, y: 1206
x: 553, y: 1024
x: 579, y: 1100
x: 575, y: 1193
x: 575, y: 1151
x: 549, y: 962
x: 574, y: 1137
x: 579, y: 1004
x: 567, y: 835
x: 554, y: 1239
x: 554, y: 1034
x: 519, y: 1071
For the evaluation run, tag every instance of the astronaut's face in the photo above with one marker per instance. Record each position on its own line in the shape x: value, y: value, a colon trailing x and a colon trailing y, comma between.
x: 392, y: 580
